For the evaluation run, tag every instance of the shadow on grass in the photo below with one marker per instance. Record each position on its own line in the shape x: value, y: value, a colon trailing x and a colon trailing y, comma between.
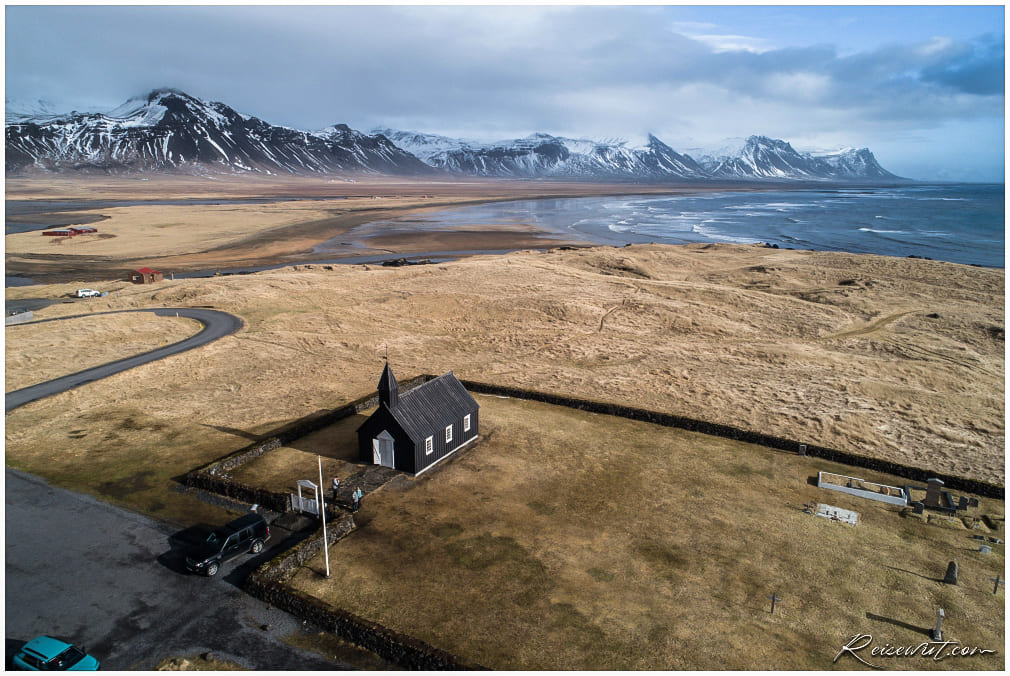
x: 898, y: 623
x: 812, y: 480
x: 237, y: 432
x: 924, y: 577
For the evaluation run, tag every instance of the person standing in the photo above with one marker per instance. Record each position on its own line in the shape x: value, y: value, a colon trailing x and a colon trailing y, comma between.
x: 356, y: 497
x: 336, y: 486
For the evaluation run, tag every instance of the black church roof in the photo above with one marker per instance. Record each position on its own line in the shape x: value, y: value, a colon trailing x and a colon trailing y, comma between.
x: 429, y: 408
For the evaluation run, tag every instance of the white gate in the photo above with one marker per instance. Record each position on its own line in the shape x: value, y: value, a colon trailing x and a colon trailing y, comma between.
x: 310, y: 505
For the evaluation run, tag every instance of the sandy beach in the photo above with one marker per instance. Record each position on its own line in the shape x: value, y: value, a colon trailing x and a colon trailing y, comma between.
x: 301, y: 215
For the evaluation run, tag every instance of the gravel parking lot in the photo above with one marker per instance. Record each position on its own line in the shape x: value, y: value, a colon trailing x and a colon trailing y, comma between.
x: 93, y: 574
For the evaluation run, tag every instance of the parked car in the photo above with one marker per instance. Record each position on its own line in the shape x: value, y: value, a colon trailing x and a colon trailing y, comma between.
x: 45, y: 653
x: 88, y: 293
x: 245, y: 534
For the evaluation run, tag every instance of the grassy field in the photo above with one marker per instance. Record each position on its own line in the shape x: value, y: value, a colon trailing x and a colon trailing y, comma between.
x: 567, y: 540
x: 279, y: 469
x: 603, y: 544
x: 48, y: 351
x: 682, y: 330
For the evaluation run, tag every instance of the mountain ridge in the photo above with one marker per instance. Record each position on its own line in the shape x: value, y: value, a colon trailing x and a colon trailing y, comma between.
x: 166, y: 130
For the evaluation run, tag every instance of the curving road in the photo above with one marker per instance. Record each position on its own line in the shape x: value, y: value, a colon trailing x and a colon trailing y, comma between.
x: 216, y: 324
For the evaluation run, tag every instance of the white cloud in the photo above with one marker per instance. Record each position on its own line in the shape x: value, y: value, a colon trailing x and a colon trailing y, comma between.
x: 500, y: 71
x: 731, y: 43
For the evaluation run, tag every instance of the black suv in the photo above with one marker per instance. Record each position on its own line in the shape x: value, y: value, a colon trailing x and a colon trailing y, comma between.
x: 245, y: 534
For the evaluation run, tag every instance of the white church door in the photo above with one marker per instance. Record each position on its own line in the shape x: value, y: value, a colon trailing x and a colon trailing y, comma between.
x: 382, y: 449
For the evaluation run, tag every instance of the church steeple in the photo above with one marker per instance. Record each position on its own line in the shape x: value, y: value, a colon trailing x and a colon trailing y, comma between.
x: 389, y: 389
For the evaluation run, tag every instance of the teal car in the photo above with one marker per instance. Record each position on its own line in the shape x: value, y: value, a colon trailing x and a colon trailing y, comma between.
x: 45, y: 653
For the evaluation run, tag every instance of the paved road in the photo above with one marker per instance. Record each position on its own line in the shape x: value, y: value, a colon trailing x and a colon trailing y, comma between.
x: 97, y: 575
x: 216, y: 324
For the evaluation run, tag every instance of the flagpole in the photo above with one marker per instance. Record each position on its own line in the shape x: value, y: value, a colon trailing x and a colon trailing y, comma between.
x: 322, y: 513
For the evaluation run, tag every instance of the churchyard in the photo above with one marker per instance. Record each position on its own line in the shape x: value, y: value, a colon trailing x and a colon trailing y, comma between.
x: 571, y: 540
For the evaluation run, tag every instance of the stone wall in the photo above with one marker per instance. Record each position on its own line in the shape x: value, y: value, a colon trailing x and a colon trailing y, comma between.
x: 215, y: 478
x: 268, y: 583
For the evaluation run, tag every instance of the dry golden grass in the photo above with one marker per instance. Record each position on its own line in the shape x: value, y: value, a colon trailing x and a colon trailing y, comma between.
x: 51, y: 350
x: 740, y: 335
x: 136, y: 232
x: 279, y: 469
x: 566, y: 540
x: 197, y: 663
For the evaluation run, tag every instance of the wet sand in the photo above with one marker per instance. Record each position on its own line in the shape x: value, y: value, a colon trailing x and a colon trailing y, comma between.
x: 300, y: 216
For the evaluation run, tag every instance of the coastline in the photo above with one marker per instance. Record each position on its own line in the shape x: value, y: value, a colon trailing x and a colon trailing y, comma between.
x: 351, y: 204
x: 199, y: 227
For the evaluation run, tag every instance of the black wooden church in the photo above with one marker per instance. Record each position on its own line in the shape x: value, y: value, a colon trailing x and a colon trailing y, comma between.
x: 414, y: 430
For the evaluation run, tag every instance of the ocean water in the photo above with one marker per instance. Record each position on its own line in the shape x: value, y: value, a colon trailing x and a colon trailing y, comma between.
x: 959, y: 223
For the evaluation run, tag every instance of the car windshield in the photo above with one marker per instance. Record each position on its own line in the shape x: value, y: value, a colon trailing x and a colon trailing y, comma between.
x: 214, y: 538
x: 65, y: 659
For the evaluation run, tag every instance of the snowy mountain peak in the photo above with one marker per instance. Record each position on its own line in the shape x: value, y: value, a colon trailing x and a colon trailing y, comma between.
x: 766, y: 158
x: 168, y: 130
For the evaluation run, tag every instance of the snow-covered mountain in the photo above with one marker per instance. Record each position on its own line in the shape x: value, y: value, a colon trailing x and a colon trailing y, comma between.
x: 546, y: 156
x: 170, y: 130
x: 765, y: 158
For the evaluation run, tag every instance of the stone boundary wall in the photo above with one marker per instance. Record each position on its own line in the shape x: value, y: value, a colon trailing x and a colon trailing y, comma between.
x: 729, y: 432
x: 268, y: 584
x: 214, y: 477
x: 284, y: 565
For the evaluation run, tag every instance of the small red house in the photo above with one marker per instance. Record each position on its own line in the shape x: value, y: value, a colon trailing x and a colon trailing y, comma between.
x: 71, y: 232
x: 146, y: 276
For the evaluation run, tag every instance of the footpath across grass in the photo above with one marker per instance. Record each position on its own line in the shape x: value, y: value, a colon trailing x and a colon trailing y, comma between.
x: 566, y: 540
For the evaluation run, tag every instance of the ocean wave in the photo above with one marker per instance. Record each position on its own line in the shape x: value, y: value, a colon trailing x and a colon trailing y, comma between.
x: 885, y: 232
x: 705, y: 231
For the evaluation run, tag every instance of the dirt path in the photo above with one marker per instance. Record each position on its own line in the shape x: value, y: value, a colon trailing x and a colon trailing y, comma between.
x: 872, y: 327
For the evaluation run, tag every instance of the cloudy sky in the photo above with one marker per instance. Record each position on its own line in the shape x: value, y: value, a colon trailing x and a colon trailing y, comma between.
x: 921, y: 86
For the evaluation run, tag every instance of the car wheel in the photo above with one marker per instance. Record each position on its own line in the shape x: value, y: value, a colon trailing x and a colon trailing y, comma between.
x: 257, y: 547
x: 212, y: 570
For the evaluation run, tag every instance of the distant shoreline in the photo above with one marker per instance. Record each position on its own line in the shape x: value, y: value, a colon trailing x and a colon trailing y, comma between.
x: 298, y: 243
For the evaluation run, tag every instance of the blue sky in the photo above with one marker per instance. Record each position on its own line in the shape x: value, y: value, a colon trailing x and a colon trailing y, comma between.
x: 921, y: 86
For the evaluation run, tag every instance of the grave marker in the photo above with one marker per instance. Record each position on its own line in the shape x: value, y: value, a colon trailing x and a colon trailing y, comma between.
x: 933, y: 490
x: 774, y: 598
x: 937, y: 633
x: 998, y: 582
x: 951, y: 576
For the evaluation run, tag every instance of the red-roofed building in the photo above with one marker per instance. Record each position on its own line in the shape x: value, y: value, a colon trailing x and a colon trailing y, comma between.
x: 71, y: 232
x: 146, y: 276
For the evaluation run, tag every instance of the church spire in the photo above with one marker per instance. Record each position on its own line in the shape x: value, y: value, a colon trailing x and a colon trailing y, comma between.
x: 389, y: 389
